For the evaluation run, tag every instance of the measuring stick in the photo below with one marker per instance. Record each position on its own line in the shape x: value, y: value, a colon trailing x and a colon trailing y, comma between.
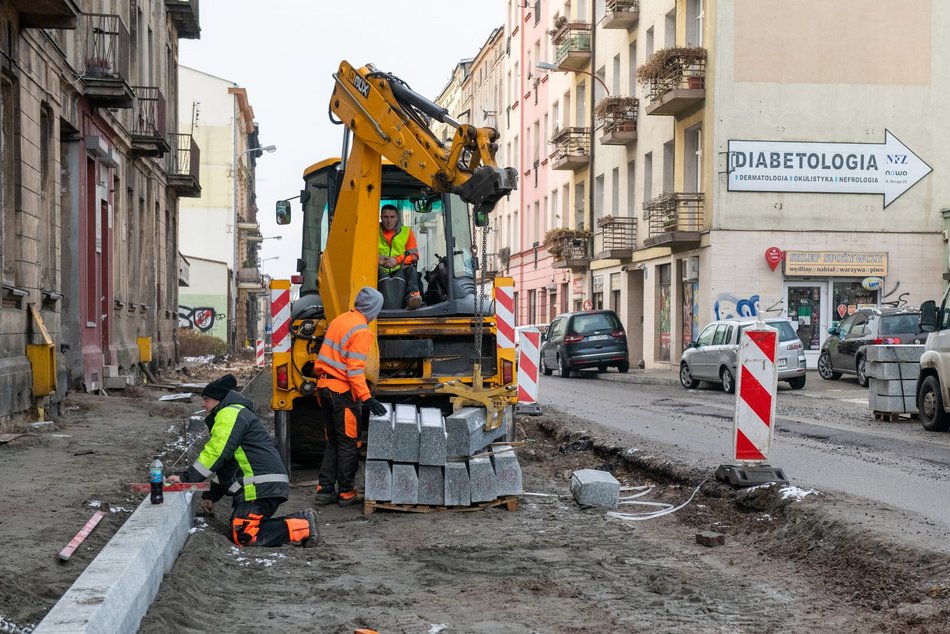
x: 71, y: 547
x: 177, y: 487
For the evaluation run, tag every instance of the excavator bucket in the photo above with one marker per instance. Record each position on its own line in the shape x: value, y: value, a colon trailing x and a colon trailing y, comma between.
x: 485, y: 188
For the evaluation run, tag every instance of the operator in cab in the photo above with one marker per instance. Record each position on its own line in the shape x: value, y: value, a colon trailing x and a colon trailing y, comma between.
x: 398, y: 253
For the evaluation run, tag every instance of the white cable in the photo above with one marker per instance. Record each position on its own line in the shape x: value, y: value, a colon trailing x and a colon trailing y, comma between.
x: 634, y: 517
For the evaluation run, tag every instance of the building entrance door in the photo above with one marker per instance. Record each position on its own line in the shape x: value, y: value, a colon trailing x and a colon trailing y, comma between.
x: 807, y: 305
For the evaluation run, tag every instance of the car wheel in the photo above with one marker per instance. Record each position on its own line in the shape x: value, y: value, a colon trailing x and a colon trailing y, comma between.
x: 545, y: 369
x: 860, y: 370
x: 602, y: 367
x: 728, y: 381
x: 563, y: 367
x: 825, y: 370
x: 623, y: 367
x: 797, y: 383
x: 932, y: 415
x: 686, y: 378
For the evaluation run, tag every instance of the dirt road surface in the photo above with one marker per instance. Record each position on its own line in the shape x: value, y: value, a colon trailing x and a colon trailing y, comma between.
x: 793, y: 561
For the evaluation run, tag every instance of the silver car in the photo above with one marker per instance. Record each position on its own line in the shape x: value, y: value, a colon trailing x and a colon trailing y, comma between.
x: 712, y: 357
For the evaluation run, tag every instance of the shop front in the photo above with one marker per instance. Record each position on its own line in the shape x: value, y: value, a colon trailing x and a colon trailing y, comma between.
x: 823, y: 287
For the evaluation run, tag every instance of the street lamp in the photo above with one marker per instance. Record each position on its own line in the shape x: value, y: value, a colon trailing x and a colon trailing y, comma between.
x: 276, y: 257
x: 550, y: 66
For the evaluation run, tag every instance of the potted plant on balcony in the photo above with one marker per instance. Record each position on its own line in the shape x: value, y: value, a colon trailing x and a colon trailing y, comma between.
x: 97, y: 66
x: 619, y: 114
x: 560, y: 237
x: 559, y: 23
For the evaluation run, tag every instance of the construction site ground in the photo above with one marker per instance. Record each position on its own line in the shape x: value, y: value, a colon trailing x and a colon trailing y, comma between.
x: 792, y: 561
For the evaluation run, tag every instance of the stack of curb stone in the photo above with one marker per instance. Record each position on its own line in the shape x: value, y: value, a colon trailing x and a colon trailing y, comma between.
x: 892, y: 372
x: 414, y: 457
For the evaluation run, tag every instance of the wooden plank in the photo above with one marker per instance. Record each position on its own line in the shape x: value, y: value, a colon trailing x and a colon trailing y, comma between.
x: 510, y: 502
x: 83, y: 533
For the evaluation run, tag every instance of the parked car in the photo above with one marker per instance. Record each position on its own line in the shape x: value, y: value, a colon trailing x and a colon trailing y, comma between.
x: 589, y: 339
x: 933, y: 381
x: 844, y: 351
x: 713, y: 357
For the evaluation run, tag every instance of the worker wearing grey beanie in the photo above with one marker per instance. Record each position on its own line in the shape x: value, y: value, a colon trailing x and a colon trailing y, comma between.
x: 369, y: 301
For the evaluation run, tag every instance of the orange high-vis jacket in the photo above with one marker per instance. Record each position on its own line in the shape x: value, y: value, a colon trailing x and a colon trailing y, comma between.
x: 341, y: 362
x: 391, y: 245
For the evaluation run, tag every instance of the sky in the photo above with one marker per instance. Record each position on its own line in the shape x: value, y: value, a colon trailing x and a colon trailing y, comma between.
x: 283, y: 52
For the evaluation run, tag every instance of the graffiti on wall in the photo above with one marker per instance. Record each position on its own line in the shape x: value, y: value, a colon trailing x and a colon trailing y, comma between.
x: 729, y: 306
x: 202, y: 318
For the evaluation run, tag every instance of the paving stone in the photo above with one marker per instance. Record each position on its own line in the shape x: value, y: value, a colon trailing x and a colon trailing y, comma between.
x: 877, y: 403
x: 405, y: 484
x: 894, y: 354
x: 595, y: 488
x: 431, y: 485
x: 432, y: 438
x: 482, y: 476
x: 378, y: 477
x: 406, y: 434
x: 458, y: 490
x: 890, y: 371
x: 381, y: 436
x: 466, y: 433
x: 892, y: 388
x: 508, y: 479
x: 710, y: 538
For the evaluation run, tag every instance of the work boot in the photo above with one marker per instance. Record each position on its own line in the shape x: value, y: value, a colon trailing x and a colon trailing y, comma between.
x: 314, y: 537
x: 414, y: 300
x: 324, y: 497
x: 348, y: 498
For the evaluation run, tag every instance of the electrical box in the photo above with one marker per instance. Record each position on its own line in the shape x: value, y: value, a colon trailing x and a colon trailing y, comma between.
x: 145, y: 349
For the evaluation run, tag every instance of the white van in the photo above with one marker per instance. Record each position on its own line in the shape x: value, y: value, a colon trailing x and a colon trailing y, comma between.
x: 933, y: 382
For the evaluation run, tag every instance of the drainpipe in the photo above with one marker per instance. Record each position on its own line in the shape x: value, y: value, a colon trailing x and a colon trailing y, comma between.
x: 589, y: 216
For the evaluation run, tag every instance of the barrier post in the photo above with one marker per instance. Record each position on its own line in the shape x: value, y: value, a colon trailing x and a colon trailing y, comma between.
x: 260, y: 353
x: 529, y: 357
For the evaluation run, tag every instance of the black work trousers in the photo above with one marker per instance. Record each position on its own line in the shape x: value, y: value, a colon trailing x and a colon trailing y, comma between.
x: 341, y: 415
x: 253, y: 524
x: 408, y: 273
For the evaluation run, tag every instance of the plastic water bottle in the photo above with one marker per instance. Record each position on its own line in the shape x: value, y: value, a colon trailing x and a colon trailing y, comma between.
x: 156, y: 477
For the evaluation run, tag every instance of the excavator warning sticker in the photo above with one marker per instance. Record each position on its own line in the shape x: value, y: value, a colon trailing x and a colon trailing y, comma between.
x: 360, y: 84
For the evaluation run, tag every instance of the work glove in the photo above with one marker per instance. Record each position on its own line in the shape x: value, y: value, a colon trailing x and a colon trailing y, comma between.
x: 375, y: 406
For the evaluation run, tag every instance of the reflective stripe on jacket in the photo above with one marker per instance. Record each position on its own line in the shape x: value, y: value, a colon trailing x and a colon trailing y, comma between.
x: 341, y: 363
x: 240, y: 454
x: 399, y: 244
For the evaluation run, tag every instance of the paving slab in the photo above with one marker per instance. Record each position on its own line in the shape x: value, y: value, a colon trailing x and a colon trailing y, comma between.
x: 894, y: 353
x: 891, y: 371
x: 508, y: 480
x: 458, y: 491
x: 406, y: 434
x: 592, y: 487
x: 380, y: 435
x: 378, y: 479
x: 896, y: 404
x: 482, y: 476
x: 116, y: 589
x: 466, y: 433
x: 405, y: 484
x: 883, y: 387
x: 431, y: 485
x: 432, y: 438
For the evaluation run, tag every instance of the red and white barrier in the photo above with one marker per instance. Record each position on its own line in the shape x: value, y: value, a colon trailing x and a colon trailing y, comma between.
x: 755, y: 394
x: 280, y: 318
x: 505, y: 313
x: 260, y: 353
x: 529, y: 357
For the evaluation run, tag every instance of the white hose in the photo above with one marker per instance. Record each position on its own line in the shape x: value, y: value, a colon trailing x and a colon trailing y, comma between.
x: 649, y: 515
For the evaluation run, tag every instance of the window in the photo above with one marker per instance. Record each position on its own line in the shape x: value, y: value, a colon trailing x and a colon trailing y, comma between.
x: 47, y: 198
x: 668, y: 167
x: 615, y: 192
x: 706, y: 338
x: 647, y: 179
x: 599, y: 197
x: 723, y: 335
x: 693, y: 160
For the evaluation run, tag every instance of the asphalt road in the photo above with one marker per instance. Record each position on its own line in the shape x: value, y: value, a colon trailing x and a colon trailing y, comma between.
x: 825, y: 438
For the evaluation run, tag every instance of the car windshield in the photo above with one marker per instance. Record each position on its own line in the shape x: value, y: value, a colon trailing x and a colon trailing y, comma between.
x: 785, y: 330
x: 582, y: 324
x: 895, y: 324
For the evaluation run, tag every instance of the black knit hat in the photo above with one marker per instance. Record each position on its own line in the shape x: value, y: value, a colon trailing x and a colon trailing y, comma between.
x: 219, y: 388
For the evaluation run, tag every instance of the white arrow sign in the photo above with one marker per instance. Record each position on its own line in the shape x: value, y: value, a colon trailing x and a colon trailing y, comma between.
x: 888, y: 168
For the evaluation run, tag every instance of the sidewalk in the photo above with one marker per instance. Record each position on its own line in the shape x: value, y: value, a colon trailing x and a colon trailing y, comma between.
x: 641, y: 377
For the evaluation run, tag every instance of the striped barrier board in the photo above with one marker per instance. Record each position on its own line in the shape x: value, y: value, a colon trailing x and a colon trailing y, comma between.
x: 529, y: 358
x: 260, y: 353
x: 280, y: 317
x: 505, y: 314
x: 755, y: 394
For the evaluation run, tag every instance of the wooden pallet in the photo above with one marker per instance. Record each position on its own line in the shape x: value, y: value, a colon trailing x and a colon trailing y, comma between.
x: 892, y: 417
x: 510, y: 502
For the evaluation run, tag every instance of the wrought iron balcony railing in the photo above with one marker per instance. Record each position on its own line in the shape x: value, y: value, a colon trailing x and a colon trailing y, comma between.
x: 572, y: 46
x: 621, y: 14
x: 679, y: 81
x: 105, y: 71
x: 617, y: 237
x: 148, y: 130
x: 674, y: 217
x: 572, y: 148
x: 182, y: 165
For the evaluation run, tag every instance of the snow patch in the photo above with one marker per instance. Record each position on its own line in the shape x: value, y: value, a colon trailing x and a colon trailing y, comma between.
x: 796, y: 493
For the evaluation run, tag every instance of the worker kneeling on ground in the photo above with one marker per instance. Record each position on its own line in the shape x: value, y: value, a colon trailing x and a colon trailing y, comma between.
x: 242, y: 455
x: 398, y: 254
x: 342, y: 390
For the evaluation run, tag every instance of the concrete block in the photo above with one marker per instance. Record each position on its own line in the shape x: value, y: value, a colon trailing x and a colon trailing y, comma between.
x: 458, y: 490
x: 891, y: 371
x: 405, y: 484
x: 710, y: 538
x: 893, y: 388
x: 591, y: 487
x: 406, y: 434
x: 482, y: 476
x: 432, y: 438
x: 894, y: 354
x: 877, y: 403
x: 116, y: 382
x: 110, y: 370
x: 431, y: 485
x: 378, y: 478
x: 466, y: 433
x: 115, y: 591
x: 508, y: 479
x: 380, y: 436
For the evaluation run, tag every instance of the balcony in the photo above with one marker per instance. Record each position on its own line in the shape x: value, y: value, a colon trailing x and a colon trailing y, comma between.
x: 570, y: 248
x: 249, y: 279
x: 619, y: 116
x: 106, y: 61
x: 184, y: 15
x: 47, y: 14
x: 621, y: 14
x: 572, y: 151
x: 676, y: 78
x: 617, y: 238
x: 572, y: 46
x: 674, y: 220
x: 148, y: 123
x: 181, y: 166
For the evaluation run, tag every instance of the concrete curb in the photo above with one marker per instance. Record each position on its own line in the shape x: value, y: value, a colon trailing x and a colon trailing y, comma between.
x: 642, y: 377
x: 117, y: 588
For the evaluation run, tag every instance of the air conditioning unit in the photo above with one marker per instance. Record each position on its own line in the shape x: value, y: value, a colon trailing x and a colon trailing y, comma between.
x: 691, y: 273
